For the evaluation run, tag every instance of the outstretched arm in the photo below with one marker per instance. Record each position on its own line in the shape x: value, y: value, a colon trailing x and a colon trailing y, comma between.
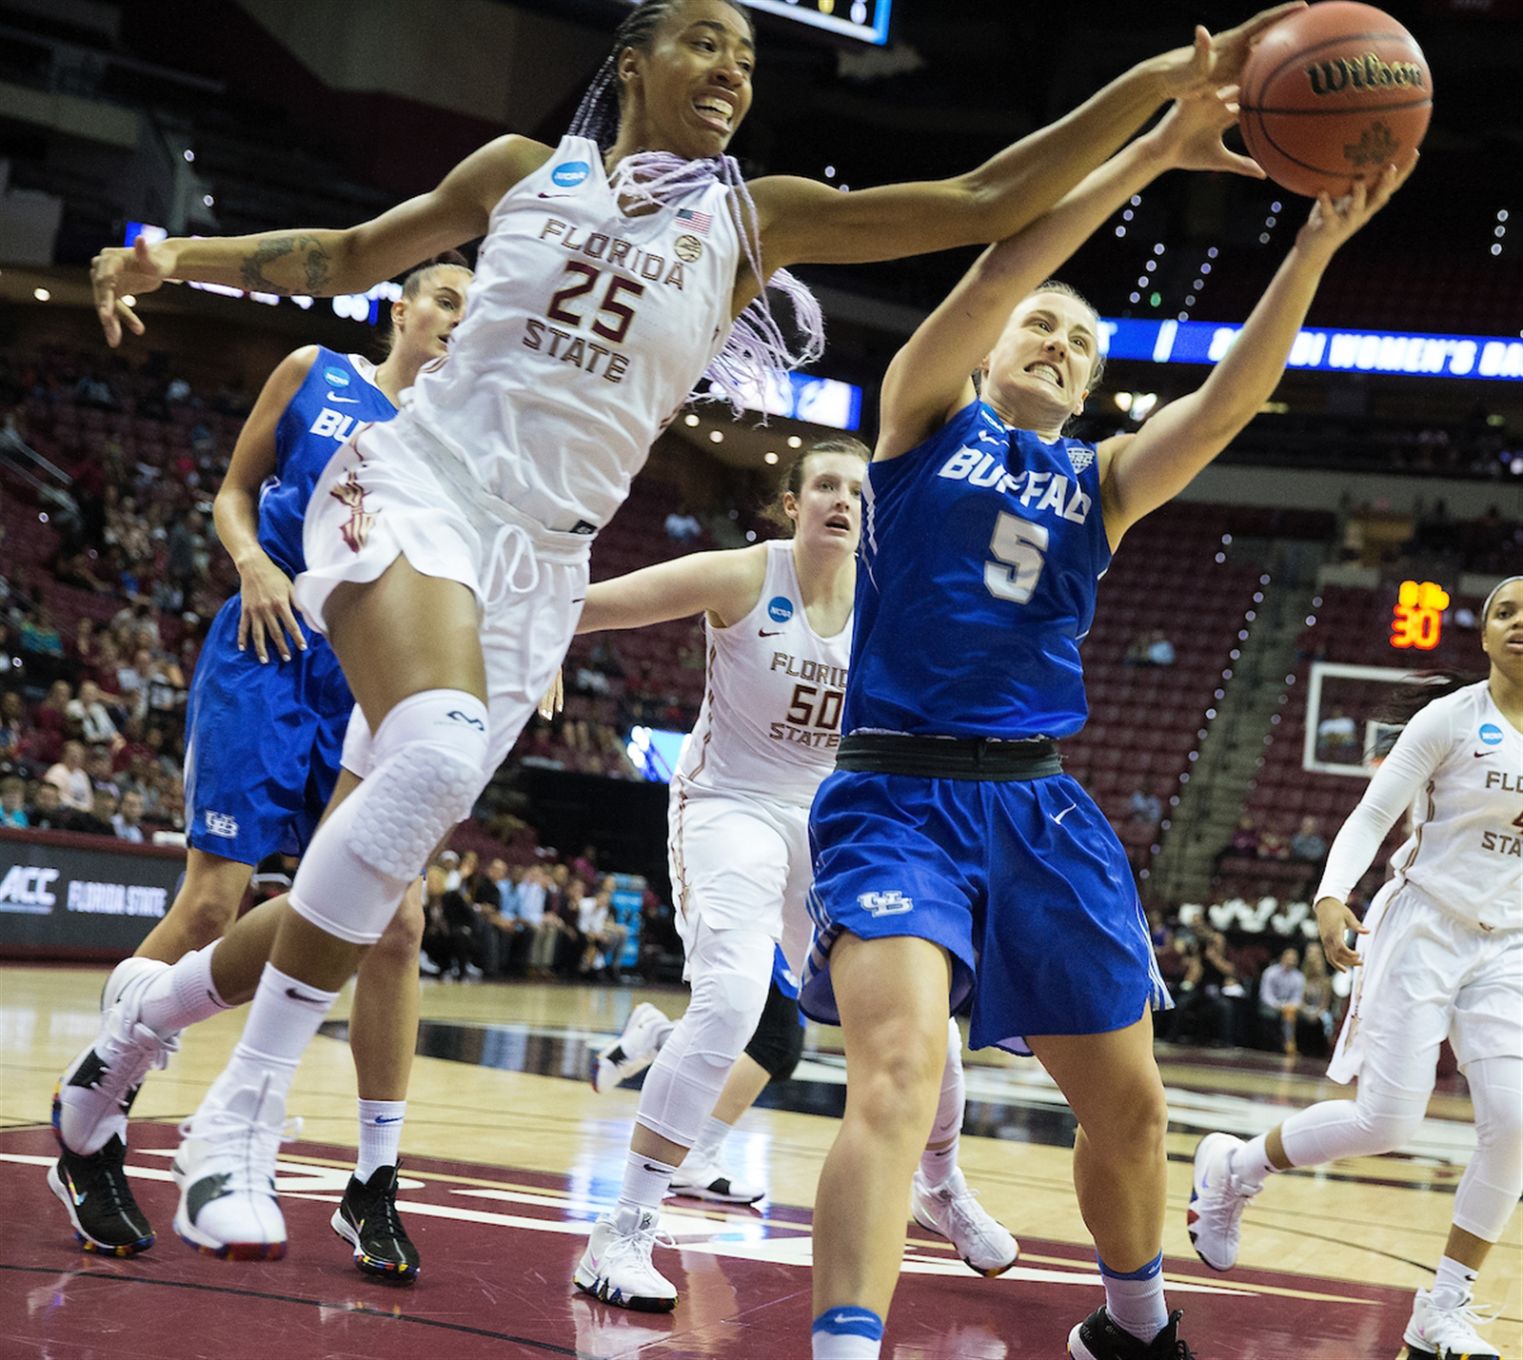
x: 1184, y: 436
x: 803, y: 220
x: 320, y: 262
x: 929, y: 376
x: 725, y: 584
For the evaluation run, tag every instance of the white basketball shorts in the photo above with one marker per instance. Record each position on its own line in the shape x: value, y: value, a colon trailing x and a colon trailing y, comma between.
x: 391, y: 492
x: 1428, y: 976
x: 739, y: 860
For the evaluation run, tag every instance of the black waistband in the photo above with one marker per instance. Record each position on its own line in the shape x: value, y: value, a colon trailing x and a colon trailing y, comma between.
x: 948, y: 757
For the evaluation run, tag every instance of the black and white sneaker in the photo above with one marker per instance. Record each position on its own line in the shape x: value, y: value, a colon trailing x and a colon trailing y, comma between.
x: 367, y: 1219
x: 1098, y: 1338
x: 100, y: 1205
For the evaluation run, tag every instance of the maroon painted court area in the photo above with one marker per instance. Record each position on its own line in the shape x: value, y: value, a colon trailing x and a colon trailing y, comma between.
x: 498, y: 1248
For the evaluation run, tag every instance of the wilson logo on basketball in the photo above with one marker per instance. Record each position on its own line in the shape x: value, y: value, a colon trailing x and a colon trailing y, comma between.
x: 1368, y: 72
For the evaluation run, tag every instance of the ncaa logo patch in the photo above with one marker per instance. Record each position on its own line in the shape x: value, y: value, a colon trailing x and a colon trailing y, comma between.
x: 1491, y: 734
x: 1080, y: 458
x: 886, y: 903
x: 569, y: 175
x: 689, y: 248
x: 779, y: 609
x: 335, y: 377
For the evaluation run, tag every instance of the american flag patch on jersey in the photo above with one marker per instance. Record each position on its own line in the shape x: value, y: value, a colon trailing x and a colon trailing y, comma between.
x: 695, y: 221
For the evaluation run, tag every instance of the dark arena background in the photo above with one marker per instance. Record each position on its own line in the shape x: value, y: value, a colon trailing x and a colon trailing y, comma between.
x: 1245, y: 639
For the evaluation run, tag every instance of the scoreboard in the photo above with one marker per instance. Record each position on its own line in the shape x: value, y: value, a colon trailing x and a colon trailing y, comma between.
x: 866, y: 20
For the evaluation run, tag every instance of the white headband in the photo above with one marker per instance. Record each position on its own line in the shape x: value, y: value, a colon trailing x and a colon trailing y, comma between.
x: 1486, y: 608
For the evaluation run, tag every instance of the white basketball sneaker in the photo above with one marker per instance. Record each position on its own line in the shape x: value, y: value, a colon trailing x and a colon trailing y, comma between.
x: 708, y: 1180
x: 1435, y: 1333
x: 225, y: 1168
x: 951, y: 1210
x: 91, y: 1099
x: 616, y: 1267
x: 633, y: 1051
x: 1217, y: 1201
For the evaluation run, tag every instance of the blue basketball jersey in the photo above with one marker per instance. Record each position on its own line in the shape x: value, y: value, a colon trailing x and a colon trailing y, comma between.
x: 338, y: 396
x: 981, y: 551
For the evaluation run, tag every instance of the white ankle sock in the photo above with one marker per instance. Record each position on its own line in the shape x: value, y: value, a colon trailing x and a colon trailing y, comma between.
x: 645, y: 1181
x: 710, y: 1140
x: 283, y: 1019
x: 380, y: 1135
x: 847, y: 1333
x: 938, y: 1165
x: 1250, y: 1164
x: 183, y: 994
x: 1455, y: 1285
x: 1134, y: 1299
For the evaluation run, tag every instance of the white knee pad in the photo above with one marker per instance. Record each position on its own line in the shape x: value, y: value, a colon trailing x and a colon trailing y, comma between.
x: 427, y: 764
x: 1380, y: 1119
x: 1489, y: 1190
x: 732, y: 973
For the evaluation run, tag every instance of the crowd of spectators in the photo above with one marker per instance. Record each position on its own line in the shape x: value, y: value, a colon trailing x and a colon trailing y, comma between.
x: 541, y: 921
x: 1256, y: 990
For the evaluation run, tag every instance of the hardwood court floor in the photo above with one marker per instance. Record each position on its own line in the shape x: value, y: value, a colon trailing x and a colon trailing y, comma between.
x: 510, y: 1155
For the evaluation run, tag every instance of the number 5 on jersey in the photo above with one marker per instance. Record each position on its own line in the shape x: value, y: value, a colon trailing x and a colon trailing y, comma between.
x: 1021, y: 549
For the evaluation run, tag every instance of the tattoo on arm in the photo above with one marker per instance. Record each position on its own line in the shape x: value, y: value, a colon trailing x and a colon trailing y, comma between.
x: 311, y: 254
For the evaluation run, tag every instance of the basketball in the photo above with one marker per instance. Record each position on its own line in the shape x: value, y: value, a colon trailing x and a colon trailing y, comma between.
x: 1332, y: 95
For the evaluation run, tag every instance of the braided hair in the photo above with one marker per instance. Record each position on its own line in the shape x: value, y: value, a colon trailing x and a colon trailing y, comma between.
x: 755, y: 353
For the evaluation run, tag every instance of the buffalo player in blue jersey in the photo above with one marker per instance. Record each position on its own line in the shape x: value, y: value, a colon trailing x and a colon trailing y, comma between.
x: 953, y: 858
x: 264, y: 734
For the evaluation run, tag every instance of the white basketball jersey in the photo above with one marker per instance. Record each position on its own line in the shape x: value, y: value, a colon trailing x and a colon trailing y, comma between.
x: 585, y: 332
x: 771, y: 716
x: 1459, y: 765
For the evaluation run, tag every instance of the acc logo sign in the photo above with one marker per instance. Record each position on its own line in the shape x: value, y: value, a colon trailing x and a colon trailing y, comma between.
x: 1491, y: 734
x: 26, y: 889
x: 569, y: 175
x: 779, y: 609
x: 886, y: 903
x: 335, y: 377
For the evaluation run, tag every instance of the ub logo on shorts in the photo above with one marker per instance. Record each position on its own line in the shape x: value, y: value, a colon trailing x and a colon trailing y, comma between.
x: 221, y: 824
x: 885, y: 903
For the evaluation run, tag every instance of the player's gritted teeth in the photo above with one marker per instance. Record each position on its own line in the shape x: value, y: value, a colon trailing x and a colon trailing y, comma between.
x: 1046, y: 372
x: 717, y: 110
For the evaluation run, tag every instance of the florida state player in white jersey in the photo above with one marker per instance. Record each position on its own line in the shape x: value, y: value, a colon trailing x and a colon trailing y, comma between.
x: 1441, y: 951
x: 778, y: 622
x: 447, y: 550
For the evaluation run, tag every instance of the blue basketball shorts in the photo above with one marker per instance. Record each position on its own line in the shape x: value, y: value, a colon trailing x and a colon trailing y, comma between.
x: 1022, y: 882
x: 263, y: 744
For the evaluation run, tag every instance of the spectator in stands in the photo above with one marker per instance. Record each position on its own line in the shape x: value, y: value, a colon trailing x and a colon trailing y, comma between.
x: 38, y: 635
x: 450, y: 921
x: 100, y: 820
x: 47, y: 812
x: 98, y: 767
x: 1207, y: 993
x: 89, y: 714
x: 7, y: 660
x: 128, y: 822
x: 12, y: 798
x: 1160, y: 651
x: 1273, y: 845
x: 13, y: 725
x: 532, y: 910
x: 602, y: 936
x: 1307, y: 845
x: 71, y: 779
x: 585, y: 865
x: 1281, y: 989
x: 1317, y: 1000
